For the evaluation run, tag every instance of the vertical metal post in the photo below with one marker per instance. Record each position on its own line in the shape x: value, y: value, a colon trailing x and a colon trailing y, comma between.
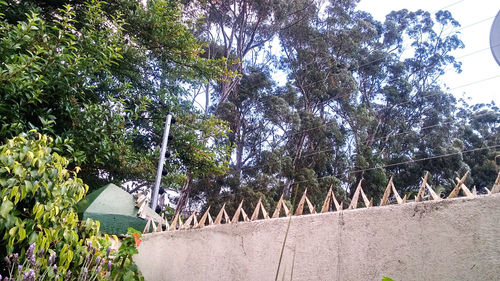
x: 156, y: 190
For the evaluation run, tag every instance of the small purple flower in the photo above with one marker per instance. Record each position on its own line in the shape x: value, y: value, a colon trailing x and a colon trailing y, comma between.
x: 108, y: 251
x: 55, y: 269
x: 87, y: 258
x: 109, y: 265
x: 52, y: 259
x: 93, y: 250
x: 97, y: 260
x: 29, y: 276
x: 68, y: 275
x: 32, y: 259
x: 98, y: 270
x: 16, y: 258
x: 89, y: 244
x: 30, y: 250
x: 7, y: 261
x: 19, y: 268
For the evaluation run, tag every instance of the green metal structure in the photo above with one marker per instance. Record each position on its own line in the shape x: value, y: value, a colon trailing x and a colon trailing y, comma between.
x: 114, y: 208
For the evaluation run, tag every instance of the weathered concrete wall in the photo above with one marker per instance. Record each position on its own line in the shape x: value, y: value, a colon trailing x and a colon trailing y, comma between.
x: 454, y: 239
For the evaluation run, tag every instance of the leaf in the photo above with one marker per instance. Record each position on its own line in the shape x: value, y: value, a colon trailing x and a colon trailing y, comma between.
x: 22, y: 233
x: 6, y: 208
x: 387, y: 279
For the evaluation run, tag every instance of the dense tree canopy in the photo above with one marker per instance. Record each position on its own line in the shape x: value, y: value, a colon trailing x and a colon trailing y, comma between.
x: 362, y: 99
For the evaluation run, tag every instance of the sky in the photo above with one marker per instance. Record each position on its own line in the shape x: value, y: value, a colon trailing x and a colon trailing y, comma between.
x: 479, y: 81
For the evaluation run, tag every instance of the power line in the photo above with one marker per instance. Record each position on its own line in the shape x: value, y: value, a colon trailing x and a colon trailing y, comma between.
x: 451, y: 5
x: 395, y: 105
x: 372, y: 140
x: 381, y: 167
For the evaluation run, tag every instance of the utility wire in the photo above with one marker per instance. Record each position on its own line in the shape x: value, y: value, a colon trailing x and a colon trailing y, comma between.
x: 372, y: 140
x: 394, y: 105
x: 451, y: 5
x: 397, y: 78
x: 381, y: 167
x: 410, y: 161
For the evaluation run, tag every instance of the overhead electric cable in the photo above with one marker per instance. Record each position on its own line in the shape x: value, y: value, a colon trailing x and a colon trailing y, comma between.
x: 381, y: 167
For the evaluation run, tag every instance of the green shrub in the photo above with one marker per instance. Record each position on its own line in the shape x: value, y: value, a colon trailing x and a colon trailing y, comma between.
x: 38, y: 199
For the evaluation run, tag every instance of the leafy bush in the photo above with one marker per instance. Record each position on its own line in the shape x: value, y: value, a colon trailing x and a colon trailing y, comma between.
x: 37, y: 212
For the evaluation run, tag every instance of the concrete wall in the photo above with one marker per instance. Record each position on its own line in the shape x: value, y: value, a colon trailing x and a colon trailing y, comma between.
x: 455, y: 239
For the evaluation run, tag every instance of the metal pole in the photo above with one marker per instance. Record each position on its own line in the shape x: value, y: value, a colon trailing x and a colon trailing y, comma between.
x: 156, y: 190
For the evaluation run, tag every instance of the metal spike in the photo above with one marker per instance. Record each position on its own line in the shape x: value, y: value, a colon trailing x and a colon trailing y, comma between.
x: 433, y: 194
x: 173, y: 226
x: 195, y: 221
x: 421, y: 191
x: 355, y: 197
x: 219, y: 216
x: 365, y: 198
x: 277, y: 211
x: 387, y: 193
x: 165, y: 222
x: 255, y: 214
x: 264, y: 212
x: 456, y: 190
x: 154, y: 225
x: 210, y: 220
x: 312, y: 210
x: 187, y: 223
x: 300, y: 207
x: 244, y: 215
x: 465, y: 189
x: 204, y: 218
x: 396, y: 194
x: 496, y: 185
x: 226, y: 217
x: 236, y: 216
x: 487, y: 191
x: 326, y: 204
x: 146, y: 229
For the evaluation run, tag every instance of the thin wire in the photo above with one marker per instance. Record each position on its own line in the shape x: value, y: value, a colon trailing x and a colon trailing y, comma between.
x: 380, y: 167
x: 451, y: 5
x: 372, y: 140
x: 397, y: 104
x: 397, y: 134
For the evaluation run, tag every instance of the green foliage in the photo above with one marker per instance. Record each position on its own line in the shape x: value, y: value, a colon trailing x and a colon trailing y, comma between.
x: 127, y: 269
x: 39, y: 195
x: 387, y: 279
x: 105, y: 74
x: 37, y: 190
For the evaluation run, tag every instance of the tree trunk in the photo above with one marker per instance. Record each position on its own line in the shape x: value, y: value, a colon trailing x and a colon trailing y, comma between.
x: 183, y: 197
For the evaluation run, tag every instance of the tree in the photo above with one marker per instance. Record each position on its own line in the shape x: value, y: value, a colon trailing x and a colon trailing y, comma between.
x: 105, y: 75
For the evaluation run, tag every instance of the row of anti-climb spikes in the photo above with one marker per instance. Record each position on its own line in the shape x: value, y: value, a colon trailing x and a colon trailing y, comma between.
x: 192, y: 222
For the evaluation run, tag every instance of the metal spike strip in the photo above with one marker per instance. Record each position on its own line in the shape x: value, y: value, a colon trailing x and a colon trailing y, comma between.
x: 355, y: 197
x: 425, y: 188
x: 496, y: 185
x: 300, y: 207
x: 456, y: 190
x: 204, y: 217
x: 421, y: 191
x: 220, y: 214
x: 281, y: 205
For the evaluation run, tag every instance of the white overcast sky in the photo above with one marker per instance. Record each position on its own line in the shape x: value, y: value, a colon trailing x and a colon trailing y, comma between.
x: 478, y: 64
